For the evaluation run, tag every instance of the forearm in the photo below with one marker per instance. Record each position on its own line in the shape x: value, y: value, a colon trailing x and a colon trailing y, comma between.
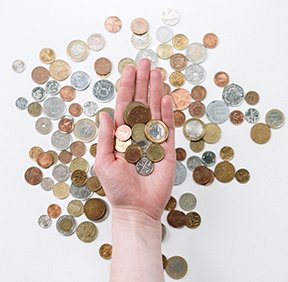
x: 136, y: 247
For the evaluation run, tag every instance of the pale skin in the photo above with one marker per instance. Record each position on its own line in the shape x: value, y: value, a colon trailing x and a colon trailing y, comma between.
x: 137, y: 201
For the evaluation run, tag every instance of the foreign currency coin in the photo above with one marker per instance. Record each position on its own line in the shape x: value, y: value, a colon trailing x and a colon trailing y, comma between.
x: 193, y: 129
x: 87, y: 231
x: 59, y: 70
x: 96, y: 42
x: 233, y: 95
x: 164, y: 34
x: 221, y: 78
x: 227, y: 153
x: 217, y: 111
x: 210, y: 40
x: 103, y: 91
x: 38, y: 94
x: 123, y: 63
x: 21, y: 103
x: 187, y: 202
x: 105, y: 251
x: 252, y: 115
x: 208, y: 158
x: 53, y: 210
x: 171, y: 17
x: 47, y: 183
x: 40, y: 75
x: 80, y: 80
x: 77, y: 50
x: 193, y: 220
x: 252, y: 98
x: 33, y: 175
x: 61, y: 190
x: 156, y: 131
x: 66, y: 225
x: 149, y: 54
x: 144, y: 166
x: 47, y: 56
x: 224, y: 171
x: 141, y: 41
x: 43, y: 125
x: 195, y: 74
x: 61, y: 172
x: 79, y: 163
x: 75, y: 208
x: 181, y: 173
x: 54, y: 108
x: 275, y: 118
x: 61, y: 141
x: 193, y: 162
x: 196, y: 53
x: 44, y: 221
x: 90, y: 108
x: 35, y: 109
x: 242, y: 175
x: 260, y: 133
x: 52, y: 87
x: 180, y: 42
x: 80, y: 192
x: 18, y: 66
x: 85, y: 130
x: 176, y: 267
x: 113, y: 24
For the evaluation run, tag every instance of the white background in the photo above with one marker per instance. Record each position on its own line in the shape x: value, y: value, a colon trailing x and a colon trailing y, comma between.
x: 244, y: 230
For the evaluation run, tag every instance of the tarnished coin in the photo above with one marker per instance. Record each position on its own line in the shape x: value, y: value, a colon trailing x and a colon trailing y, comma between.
x: 236, y: 117
x: 18, y: 66
x: 217, y: 112
x: 181, y: 173
x: 38, y: 94
x: 164, y: 261
x: 65, y: 157
x: 139, y: 26
x: 78, y: 149
x: 144, y: 166
x: 180, y: 154
x: 61, y: 172
x: 35, y: 109
x: 105, y: 251
x: 233, y: 95
x: 260, y: 133
x: 54, y: 108
x: 44, y: 159
x: 80, y: 80
x: 177, y: 79
x: 171, y: 204
x: 210, y: 40
x: 252, y: 115
x: 212, y: 133
x: 193, y: 162
x: 156, y: 131
x: 123, y: 132
x: 113, y: 24
x: 44, y: 221
x: 90, y: 108
x: 193, y: 129
x: 47, y: 183
x: 221, y: 78
x: 141, y: 41
x: 227, y: 153
x: 224, y: 171
x: 95, y: 209
x: 33, y: 175
x: 197, y: 109
x: 179, y: 118
x: 176, y: 218
x: 66, y: 225
x: 178, y: 62
x: 87, y: 231
x: 171, y: 17
x: 193, y: 220
x: 149, y: 54
x: 21, y: 103
x: 155, y: 152
x: 164, y: 34
x: 66, y: 124
x: 208, y: 158
x: 52, y: 87
x: 54, y: 210
x: 103, y: 66
x: 54, y: 156
x: 242, y: 175
x: 75, y: 110
x: 85, y: 130
x: 79, y: 163
x: 187, y: 201
x: 34, y: 152
x: 93, y: 150
x: 43, y: 125
x: 47, y: 56
x: 61, y: 141
x: 40, y: 75
x: 103, y: 91
x: 75, y: 208
x: 202, y: 175
x: 197, y: 146
x: 198, y: 93
x: 61, y: 190
x: 80, y: 192
x: 181, y: 98
x: 59, y: 70
x: 77, y: 50
x: 93, y: 183
x: 96, y: 41
x: 196, y: 53
x: 164, y: 51
x: 195, y: 74
x: 125, y: 62
x: 252, y: 98
x: 274, y: 118
x: 180, y: 41
x: 79, y: 177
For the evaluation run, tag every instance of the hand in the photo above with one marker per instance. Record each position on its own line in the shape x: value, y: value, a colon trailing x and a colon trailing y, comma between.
x: 124, y: 187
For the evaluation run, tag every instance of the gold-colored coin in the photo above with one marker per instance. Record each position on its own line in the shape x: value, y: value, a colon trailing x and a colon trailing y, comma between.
x: 224, y: 171
x: 197, y: 146
x: 252, y: 98
x: 133, y: 153
x: 101, y: 192
x: 177, y: 79
x: 180, y: 41
x: 93, y: 183
x: 75, y: 208
x: 47, y: 56
x: 59, y: 70
x: 155, y: 153
x: 192, y: 220
x: 227, y: 153
x: 129, y: 107
x: 260, y: 133
x: 212, y: 133
x: 138, y: 133
x: 61, y: 190
x: 54, y: 156
x: 79, y: 177
x: 156, y: 131
x: 79, y: 163
x: 87, y: 231
x: 242, y: 175
x: 125, y: 62
x: 35, y: 109
x: 164, y: 51
x: 105, y: 251
x: 176, y: 267
x: 121, y: 146
x: 34, y: 152
x: 93, y: 150
x: 171, y: 204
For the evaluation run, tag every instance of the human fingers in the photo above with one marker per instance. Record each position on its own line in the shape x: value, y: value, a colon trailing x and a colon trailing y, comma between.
x: 156, y: 93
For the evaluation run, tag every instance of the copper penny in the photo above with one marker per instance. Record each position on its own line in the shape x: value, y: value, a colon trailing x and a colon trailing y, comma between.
x: 224, y: 171
x: 78, y: 149
x: 45, y: 159
x: 95, y: 209
x: 79, y: 177
x: 105, y: 251
x: 123, y: 132
x: 139, y: 26
x: 178, y: 62
x: 193, y: 220
x: 252, y: 98
x: 197, y: 109
x: 93, y: 150
x: 171, y: 204
x: 179, y: 118
x: 177, y: 79
x: 133, y: 153
x: 176, y: 218
x: 227, y: 153
x: 103, y: 66
x: 202, y: 175
x: 221, y: 79
x: 93, y: 183
x: 33, y: 175
x: 180, y: 154
x: 66, y: 124
x: 65, y: 157
x: 54, y: 210
x: 181, y: 98
x: 210, y: 40
x: 113, y: 24
x: 198, y: 93
x: 236, y: 117
x: 75, y: 110
x: 67, y: 93
x: 242, y: 175
x: 40, y: 75
x: 166, y: 88
x: 138, y: 114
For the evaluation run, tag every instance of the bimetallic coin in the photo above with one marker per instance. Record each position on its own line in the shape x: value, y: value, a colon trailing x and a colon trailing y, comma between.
x: 61, y: 141
x: 113, y: 24
x: 181, y: 173
x: 193, y: 162
x: 59, y: 70
x: 105, y: 251
x: 61, y: 172
x: 80, y: 80
x: 96, y: 42
x: 52, y: 87
x: 90, y: 108
x: 47, y: 183
x: 164, y: 34
x: 66, y: 225
x: 180, y: 41
x: 53, y: 210
x: 210, y: 40
x: 47, y: 56
x: 21, y: 103
x: 224, y: 171
x: 43, y: 125
x: 80, y: 192
x: 61, y: 190
x: 193, y: 129
x: 217, y: 112
x: 176, y: 267
x: 196, y: 53
x: 274, y: 118
x: 103, y: 91
x: 252, y: 115
x: 156, y: 131
x: 233, y: 95
x: 193, y: 220
x: 212, y: 133
x: 187, y: 202
x: 33, y: 175
x: 18, y: 66
x: 44, y: 221
x: 54, y: 108
x: 242, y: 175
x: 208, y: 158
x: 227, y: 153
x: 85, y: 130
x: 260, y: 133
x: 155, y: 152
x: 38, y: 94
x: 34, y: 109
x: 87, y: 231
x: 144, y: 166
x: 195, y: 74
x: 140, y: 42
x: 170, y: 17
x: 75, y: 208
x: 252, y: 98
x: 149, y: 54
x: 77, y: 50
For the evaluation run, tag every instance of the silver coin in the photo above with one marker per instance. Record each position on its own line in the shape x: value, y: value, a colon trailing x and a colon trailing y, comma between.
x: 144, y: 166
x: 80, y: 192
x: 61, y: 172
x: 18, y: 66
x: 217, y: 111
x: 80, y: 80
x: 61, y: 141
x: 193, y: 162
x: 44, y: 221
x: 233, y: 95
x: 47, y: 183
x: 54, y: 108
x: 252, y: 115
x: 52, y: 87
x: 171, y: 17
x: 77, y: 50
x: 275, y: 118
x: 85, y: 130
x: 66, y: 225
x: 164, y: 34
x: 149, y: 54
x: 90, y: 108
x: 208, y: 158
x: 38, y: 94
x: 141, y: 41
x: 187, y: 202
x: 103, y: 91
x: 96, y: 42
x: 92, y: 171
x: 195, y: 74
x: 196, y: 53
x: 21, y: 103
x: 181, y: 173
x: 43, y: 125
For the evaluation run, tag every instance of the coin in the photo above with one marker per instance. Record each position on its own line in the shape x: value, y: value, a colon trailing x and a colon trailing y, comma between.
x: 34, y: 152
x: 52, y: 87
x: 180, y: 41
x: 252, y: 98
x: 212, y: 133
x: 195, y: 74
x: 53, y: 210
x: 242, y: 175
x: 193, y: 162
x: 176, y: 267
x: 47, y: 183
x: 181, y: 98
x: 67, y: 93
x: 156, y: 131
x: 177, y: 79
x: 193, y: 220
x: 196, y: 109
x: 95, y: 209
x: 85, y: 130
x: 155, y: 152
x: 38, y: 94
x: 77, y: 50
x: 54, y: 108
x: 198, y: 93
x: 202, y: 175
x: 113, y: 24
x: 61, y: 141
x: 93, y: 150
x: 66, y: 225
x: 170, y: 17
x: 66, y: 124
x: 208, y: 158
x: 252, y: 115
x: 137, y: 114
x: 233, y: 95
x: 236, y: 117
x: 75, y: 110
x: 180, y: 154
x: 224, y: 171
x: 61, y: 172
x: 210, y: 40
x: 227, y: 153
x: 179, y: 118
x: 21, y: 103
x: 141, y: 41
x: 274, y: 118
x: 103, y: 66
x: 54, y: 156
x: 187, y: 201
x: 59, y: 70
x: 44, y: 159
x: 196, y: 53
x: 101, y: 192
x: 61, y: 190
x: 164, y: 33
x: 164, y: 261
x: 43, y: 125
x: 166, y: 88
x: 34, y: 109
x: 144, y: 166
x: 133, y: 153
x: 138, y: 133
x: 260, y: 133
x: 176, y: 218
x: 78, y: 149
x: 18, y: 66
x: 181, y: 173
x: 197, y: 146
x: 103, y: 91
x: 171, y: 204
x: 178, y: 62
x: 217, y: 112
x: 194, y: 129
x: 96, y: 41
x: 75, y: 208
x: 149, y: 54
x: 87, y: 231
x: 125, y: 62
x: 47, y: 56
x: 105, y: 251
x: 33, y: 175
x: 80, y: 192
x: 93, y: 183
x: 139, y: 26
x: 221, y: 78
x: 164, y: 51
x: 121, y: 146
x: 65, y: 157
x: 44, y: 221
x: 123, y: 132
x: 79, y: 177
x: 40, y: 75
x: 79, y: 163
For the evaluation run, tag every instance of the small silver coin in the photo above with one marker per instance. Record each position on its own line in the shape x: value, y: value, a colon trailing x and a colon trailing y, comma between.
x: 144, y: 166
x: 90, y: 108
x: 80, y: 80
x: 208, y: 158
x: 54, y: 108
x: 66, y: 225
x: 103, y: 91
x: 196, y: 53
x: 21, y: 103
x: 141, y: 41
x: 181, y: 173
x: 47, y: 183
x: 233, y: 95
x: 193, y: 162
x: 18, y: 66
x: 164, y: 34
x: 171, y: 17
x: 43, y: 125
x: 195, y: 74
x: 187, y: 202
x: 61, y: 172
x: 217, y: 112
x: 61, y: 141
x: 252, y: 115
x: 96, y: 42
x: 149, y: 54
x: 44, y: 221
x: 52, y: 87
x: 80, y: 192
x: 275, y: 118
x: 38, y: 94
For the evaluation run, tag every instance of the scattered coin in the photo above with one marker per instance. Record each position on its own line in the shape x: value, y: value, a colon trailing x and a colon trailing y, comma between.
x: 176, y: 218
x: 66, y: 225
x: 54, y: 210
x: 242, y: 175
x: 252, y: 115
x: 144, y: 166
x: 95, y: 209
x: 260, y: 133
x: 217, y: 112
x: 43, y: 125
x: 141, y: 41
x: 139, y: 26
x: 197, y: 109
x: 227, y: 153
x: 224, y: 171
x: 155, y: 152
x: 193, y: 129
x: 61, y: 172
x: 176, y: 267
x: 180, y: 154
x: 193, y: 220
x: 44, y: 159
x: 77, y: 50
x: 252, y: 98
x: 61, y: 141
x: 212, y: 133
x: 236, y: 117
x: 113, y: 24
x: 103, y: 91
x: 187, y: 201
x: 181, y: 98
x: 149, y: 54
x: 164, y: 34
x: 202, y: 175
x: 44, y: 221
x: 21, y: 103
x: 40, y: 75
x: 47, y: 183
x: 274, y: 118
x: 105, y: 251
x: 197, y: 146
x: 35, y: 109
x: 75, y: 110
x: 193, y: 162
x: 180, y: 41
x: 38, y: 94
x: 221, y: 78
x: 33, y: 175
x: 65, y: 157
x: 181, y: 173
x: 198, y: 93
x: 208, y: 158
x: 210, y: 40
x: 195, y: 74
x: 171, y: 204
x: 61, y: 190
x: 18, y: 66
x: 75, y: 208
x: 96, y: 42
x: 233, y: 95
x: 34, y: 152
x: 59, y: 70
x: 171, y: 17
x: 85, y: 130
x: 179, y: 118
x: 164, y: 51
x: 178, y: 62
x: 196, y: 53
x: 87, y: 231
x: 47, y: 56
x: 52, y: 87
x: 54, y: 108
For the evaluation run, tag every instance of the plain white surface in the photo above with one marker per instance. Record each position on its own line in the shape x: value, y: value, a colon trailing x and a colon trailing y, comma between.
x: 243, y: 235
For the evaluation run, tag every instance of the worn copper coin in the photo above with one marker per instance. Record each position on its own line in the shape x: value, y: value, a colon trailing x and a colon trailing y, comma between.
x: 198, y: 93
x: 236, y: 117
x: 103, y: 66
x: 224, y: 171
x: 66, y: 124
x: 54, y: 210
x: 40, y: 75
x: 54, y: 156
x: 105, y: 251
x: 252, y: 98
x: 202, y: 175
x: 93, y: 183
x: 171, y: 204
x: 177, y: 79
x: 47, y: 55
x: 133, y: 153
x: 139, y: 26
x: 65, y: 157
x: 180, y: 154
x: 221, y: 78
x: 75, y: 110
x: 95, y: 209
x: 227, y: 153
x: 138, y: 114
x: 193, y: 220
x: 242, y: 175
x: 181, y: 98
x: 33, y: 175
x: 176, y: 218
x: 113, y: 24
x: 178, y: 62
x: 87, y: 231
x: 179, y: 118
x: 45, y: 159
x: 196, y: 109
x: 67, y: 93
x: 260, y: 133
x: 79, y: 177
x: 78, y: 149
x: 210, y: 40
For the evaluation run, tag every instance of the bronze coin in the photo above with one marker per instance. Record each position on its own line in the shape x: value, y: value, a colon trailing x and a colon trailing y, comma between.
x: 93, y: 150
x: 227, y: 153
x: 180, y: 154
x: 101, y: 192
x: 103, y: 66
x: 176, y: 218
x: 221, y: 79
x: 40, y: 75
x: 197, y: 109
x: 113, y: 24
x: 75, y: 110
x: 138, y: 114
x: 35, y: 109
x: 224, y: 172
x: 95, y: 209
x: 242, y: 175
x: 139, y: 26
x: 67, y: 93
x: 179, y: 118
x: 181, y: 98
x: 178, y: 62
x: 45, y: 159
x: 236, y: 117
x: 93, y: 183
x: 260, y: 133
x: 193, y: 220
x: 164, y: 261
x: 65, y: 157
x: 33, y: 175
x: 210, y: 40
x: 212, y: 177
x: 197, y: 146
x: 166, y: 88
x: 198, y: 93
x: 177, y: 79
x: 252, y: 98
x: 79, y: 177
x: 171, y: 204
x: 66, y: 124
x: 202, y: 175
x: 54, y: 156
x: 78, y: 149
x: 155, y: 152
x: 54, y: 210
x: 133, y: 153
x: 105, y: 251
x: 34, y: 152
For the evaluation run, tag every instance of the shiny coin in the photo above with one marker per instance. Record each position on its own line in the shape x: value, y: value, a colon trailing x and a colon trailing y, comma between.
x: 180, y: 41
x: 242, y: 175
x: 87, y: 231
x: 164, y: 34
x: 43, y: 125
x: 75, y: 110
x: 198, y: 93
x: 123, y: 132
x: 221, y: 78
x: 252, y: 115
x: 125, y: 62
x: 96, y: 42
x: 195, y: 74
x: 236, y: 117
x: 77, y: 50
x: 179, y: 118
x: 208, y: 158
x: 105, y: 251
x: 193, y: 220
x: 187, y: 202
x: 59, y: 70
x: 260, y: 133
x: 217, y: 112
x: 149, y: 54
x: 141, y: 41
x: 178, y: 62
x: 176, y: 218
x: 156, y: 131
x: 80, y: 80
x: 95, y: 209
x: 66, y: 225
x: 38, y: 94
x: 85, y: 130
x: 79, y: 177
x: 113, y: 24
x: 144, y: 166
x: 33, y: 175
x: 61, y: 141
x: 47, y: 183
x: 52, y: 87
x: 197, y: 109
x: 224, y: 171
x: 35, y: 109
x: 90, y: 108
x: 196, y: 53
x: 227, y: 153
x: 53, y: 210
x: 21, y: 103
x: 78, y: 149
x: 170, y: 17
x: 18, y: 66
x: 103, y: 66
x: 180, y: 154
x: 79, y: 163
x: 54, y: 108
x: 252, y: 98
x: 164, y: 51
x: 177, y: 79
x: 193, y: 129
x: 233, y: 95
x: 155, y: 152
x: 144, y: 144
x: 181, y: 173
x: 61, y: 190
x: 274, y: 118
x: 47, y: 56
x: 171, y: 204
x: 44, y: 221
x: 80, y: 192
x: 40, y: 75
x: 210, y: 40
x: 34, y: 152
x: 212, y: 133
x: 181, y: 98
x: 61, y: 172
x: 197, y: 146
x: 65, y: 157
x: 66, y: 124
x: 193, y: 162
x: 44, y: 159
x: 75, y: 208
x: 139, y: 26
x: 103, y: 91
